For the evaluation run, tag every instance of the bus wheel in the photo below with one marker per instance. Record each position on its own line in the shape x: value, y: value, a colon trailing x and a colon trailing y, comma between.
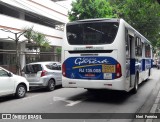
x: 134, y: 90
x: 149, y: 73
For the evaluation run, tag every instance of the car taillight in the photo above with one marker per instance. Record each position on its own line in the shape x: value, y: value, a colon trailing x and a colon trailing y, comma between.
x: 43, y: 73
x: 64, y: 69
x: 118, y: 71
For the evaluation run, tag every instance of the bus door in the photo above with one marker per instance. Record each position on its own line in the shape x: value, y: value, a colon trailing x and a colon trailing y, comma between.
x: 130, y: 60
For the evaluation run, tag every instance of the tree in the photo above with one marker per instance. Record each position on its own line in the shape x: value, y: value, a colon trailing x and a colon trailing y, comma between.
x: 86, y: 9
x: 37, y: 39
x: 143, y: 15
x: 58, y: 51
x: 32, y: 37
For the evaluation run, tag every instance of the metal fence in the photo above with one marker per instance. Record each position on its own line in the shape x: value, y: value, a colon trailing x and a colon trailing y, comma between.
x: 8, y: 58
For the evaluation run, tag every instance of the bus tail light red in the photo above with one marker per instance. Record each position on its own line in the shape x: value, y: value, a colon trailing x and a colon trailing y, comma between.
x: 118, y: 71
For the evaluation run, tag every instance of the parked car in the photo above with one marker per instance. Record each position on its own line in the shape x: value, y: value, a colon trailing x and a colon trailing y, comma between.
x: 12, y: 84
x: 158, y: 65
x: 154, y: 64
x: 43, y: 74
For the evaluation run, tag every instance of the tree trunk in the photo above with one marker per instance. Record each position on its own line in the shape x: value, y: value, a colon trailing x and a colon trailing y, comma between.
x: 17, y: 56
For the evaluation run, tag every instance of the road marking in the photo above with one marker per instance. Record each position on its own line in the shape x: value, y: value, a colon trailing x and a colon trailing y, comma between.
x: 70, y: 102
x: 76, y: 102
x: 29, y: 97
x: 153, y: 109
x: 157, y: 100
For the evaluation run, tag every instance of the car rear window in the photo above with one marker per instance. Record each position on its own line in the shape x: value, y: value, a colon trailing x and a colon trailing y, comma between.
x: 32, y: 68
x: 53, y: 66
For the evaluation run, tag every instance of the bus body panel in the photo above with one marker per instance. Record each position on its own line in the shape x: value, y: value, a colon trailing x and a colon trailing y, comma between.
x: 116, y: 84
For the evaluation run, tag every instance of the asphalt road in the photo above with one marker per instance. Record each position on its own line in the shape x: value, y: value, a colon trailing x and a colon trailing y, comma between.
x: 77, y: 100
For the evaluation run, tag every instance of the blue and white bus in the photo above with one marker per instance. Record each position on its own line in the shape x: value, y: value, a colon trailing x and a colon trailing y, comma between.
x: 104, y: 54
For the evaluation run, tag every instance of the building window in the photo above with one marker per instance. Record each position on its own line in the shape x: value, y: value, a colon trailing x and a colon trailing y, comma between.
x: 9, y: 11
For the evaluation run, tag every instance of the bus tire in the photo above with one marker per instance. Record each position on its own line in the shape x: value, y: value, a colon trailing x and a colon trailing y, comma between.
x: 135, y: 89
x: 149, y: 73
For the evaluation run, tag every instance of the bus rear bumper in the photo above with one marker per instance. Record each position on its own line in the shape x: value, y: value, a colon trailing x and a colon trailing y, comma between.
x: 116, y: 84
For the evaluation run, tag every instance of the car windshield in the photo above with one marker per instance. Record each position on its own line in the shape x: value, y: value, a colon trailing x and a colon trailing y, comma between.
x: 92, y: 33
x: 53, y: 66
x: 32, y: 68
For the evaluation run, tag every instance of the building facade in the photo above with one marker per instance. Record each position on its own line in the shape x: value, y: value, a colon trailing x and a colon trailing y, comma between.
x: 45, y: 16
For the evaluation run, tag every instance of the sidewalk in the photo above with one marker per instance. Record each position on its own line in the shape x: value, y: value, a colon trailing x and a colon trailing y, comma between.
x: 155, y: 108
x: 156, y: 103
x: 152, y: 104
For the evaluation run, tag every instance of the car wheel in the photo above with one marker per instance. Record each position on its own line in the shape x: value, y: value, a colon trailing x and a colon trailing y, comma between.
x: 20, y: 91
x: 134, y: 90
x: 51, y: 85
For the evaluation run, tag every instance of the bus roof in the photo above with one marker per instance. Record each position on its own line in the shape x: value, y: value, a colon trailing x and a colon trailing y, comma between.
x: 96, y: 19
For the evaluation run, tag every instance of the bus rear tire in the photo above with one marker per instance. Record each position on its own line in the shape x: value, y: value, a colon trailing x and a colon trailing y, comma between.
x: 135, y: 89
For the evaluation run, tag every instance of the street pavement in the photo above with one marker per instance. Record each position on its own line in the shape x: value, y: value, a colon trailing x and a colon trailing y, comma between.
x: 72, y: 100
x: 152, y: 105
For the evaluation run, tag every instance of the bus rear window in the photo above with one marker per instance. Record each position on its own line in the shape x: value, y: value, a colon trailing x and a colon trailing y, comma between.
x: 91, y: 33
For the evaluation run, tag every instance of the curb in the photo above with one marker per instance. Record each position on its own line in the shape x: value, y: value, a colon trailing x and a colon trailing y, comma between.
x: 154, y: 107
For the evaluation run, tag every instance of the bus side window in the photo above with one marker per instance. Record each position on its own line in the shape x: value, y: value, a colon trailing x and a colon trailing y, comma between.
x: 127, y: 49
x: 138, y: 47
x: 128, y: 46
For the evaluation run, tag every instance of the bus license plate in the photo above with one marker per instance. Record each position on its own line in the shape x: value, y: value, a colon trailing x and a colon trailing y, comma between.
x: 107, y: 75
x: 108, y: 68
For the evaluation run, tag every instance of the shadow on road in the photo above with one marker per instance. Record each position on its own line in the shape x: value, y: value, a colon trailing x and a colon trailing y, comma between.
x: 40, y: 90
x: 101, y: 96
x: 7, y: 98
x: 107, y: 96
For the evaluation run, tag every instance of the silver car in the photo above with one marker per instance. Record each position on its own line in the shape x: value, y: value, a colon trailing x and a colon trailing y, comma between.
x: 43, y: 74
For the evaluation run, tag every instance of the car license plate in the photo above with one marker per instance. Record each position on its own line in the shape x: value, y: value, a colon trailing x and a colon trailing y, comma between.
x: 108, y: 68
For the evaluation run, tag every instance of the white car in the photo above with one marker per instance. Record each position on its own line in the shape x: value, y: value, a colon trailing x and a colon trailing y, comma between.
x: 12, y: 84
x: 43, y: 74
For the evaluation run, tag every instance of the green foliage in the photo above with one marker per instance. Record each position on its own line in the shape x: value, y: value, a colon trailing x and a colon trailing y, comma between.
x: 143, y: 15
x: 86, y: 9
x: 38, y: 39
x: 58, y: 50
x: 29, y: 33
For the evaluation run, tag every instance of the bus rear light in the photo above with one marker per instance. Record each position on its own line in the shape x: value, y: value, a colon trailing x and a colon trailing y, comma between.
x: 64, y: 69
x: 118, y: 71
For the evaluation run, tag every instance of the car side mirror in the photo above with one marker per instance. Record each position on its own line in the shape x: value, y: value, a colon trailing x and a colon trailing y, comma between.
x: 10, y: 74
